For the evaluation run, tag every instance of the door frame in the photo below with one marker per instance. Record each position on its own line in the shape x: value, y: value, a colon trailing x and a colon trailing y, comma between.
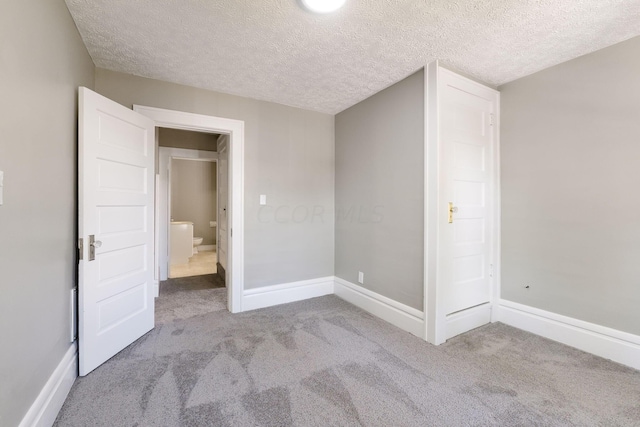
x: 435, y: 320
x: 235, y: 129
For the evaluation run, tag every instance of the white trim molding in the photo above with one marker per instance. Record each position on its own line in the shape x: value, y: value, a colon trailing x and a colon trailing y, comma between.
x: 404, y: 317
x: 45, y: 408
x: 621, y: 347
x: 287, y: 292
x: 433, y: 330
x: 235, y: 130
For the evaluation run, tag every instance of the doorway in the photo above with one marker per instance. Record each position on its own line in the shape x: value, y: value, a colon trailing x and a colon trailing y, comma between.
x: 187, y: 172
x: 233, y: 130
x: 193, y: 207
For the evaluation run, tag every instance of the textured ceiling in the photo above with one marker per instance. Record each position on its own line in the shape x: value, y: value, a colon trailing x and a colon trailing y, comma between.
x: 275, y: 51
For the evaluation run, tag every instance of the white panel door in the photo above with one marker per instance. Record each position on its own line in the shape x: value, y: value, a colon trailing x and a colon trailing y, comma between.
x: 115, y: 205
x: 223, y: 198
x: 467, y: 138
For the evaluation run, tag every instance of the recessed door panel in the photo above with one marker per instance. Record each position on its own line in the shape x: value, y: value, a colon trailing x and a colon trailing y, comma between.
x: 122, y: 262
x: 469, y: 156
x: 468, y: 230
x: 122, y: 134
x: 119, y: 308
x: 121, y: 219
x: 468, y: 193
x: 468, y: 268
x: 117, y: 176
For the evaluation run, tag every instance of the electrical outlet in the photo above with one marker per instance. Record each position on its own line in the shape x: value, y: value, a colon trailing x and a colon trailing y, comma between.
x: 360, y: 277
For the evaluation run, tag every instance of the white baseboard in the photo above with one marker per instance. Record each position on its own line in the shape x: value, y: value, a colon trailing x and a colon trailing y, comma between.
x: 605, y: 342
x: 206, y: 247
x: 398, y: 314
x: 466, y: 320
x: 45, y: 408
x: 287, y: 292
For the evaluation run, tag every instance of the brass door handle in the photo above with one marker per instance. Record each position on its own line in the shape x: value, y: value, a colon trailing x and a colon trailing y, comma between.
x: 452, y: 210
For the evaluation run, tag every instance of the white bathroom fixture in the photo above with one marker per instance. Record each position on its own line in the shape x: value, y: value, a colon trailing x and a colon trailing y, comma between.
x: 181, y: 236
x: 197, y: 241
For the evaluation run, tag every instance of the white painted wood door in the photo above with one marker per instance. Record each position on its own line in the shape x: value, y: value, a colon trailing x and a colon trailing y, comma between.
x: 467, y: 141
x: 116, y: 161
x: 223, y: 198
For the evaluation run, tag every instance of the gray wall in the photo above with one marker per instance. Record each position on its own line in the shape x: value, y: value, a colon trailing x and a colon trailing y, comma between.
x: 570, y: 185
x: 193, y: 196
x: 289, y: 156
x: 177, y: 138
x: 42, y: 62
x: 380, y: 192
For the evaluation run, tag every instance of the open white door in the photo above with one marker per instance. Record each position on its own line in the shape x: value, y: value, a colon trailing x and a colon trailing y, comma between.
x: 115, y: 211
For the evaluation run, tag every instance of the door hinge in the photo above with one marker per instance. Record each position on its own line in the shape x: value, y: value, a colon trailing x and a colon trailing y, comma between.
x: 80, y: 249
x: 231, y: 232
x: 491, y: 119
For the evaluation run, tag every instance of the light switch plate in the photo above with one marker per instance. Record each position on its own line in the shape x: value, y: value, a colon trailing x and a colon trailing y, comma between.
x: 263, y: 199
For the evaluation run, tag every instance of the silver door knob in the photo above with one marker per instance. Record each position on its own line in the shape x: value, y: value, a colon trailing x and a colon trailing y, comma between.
x: 93, y: 245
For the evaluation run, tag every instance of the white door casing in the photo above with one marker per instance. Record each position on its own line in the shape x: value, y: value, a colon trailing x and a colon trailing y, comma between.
x: 116, y: 159
x: 222, y: 184
x: 235, y: 231
x: 462, y: 170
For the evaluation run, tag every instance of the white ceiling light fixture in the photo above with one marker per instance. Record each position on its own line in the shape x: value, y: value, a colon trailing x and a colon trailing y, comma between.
x: 323, y: 6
